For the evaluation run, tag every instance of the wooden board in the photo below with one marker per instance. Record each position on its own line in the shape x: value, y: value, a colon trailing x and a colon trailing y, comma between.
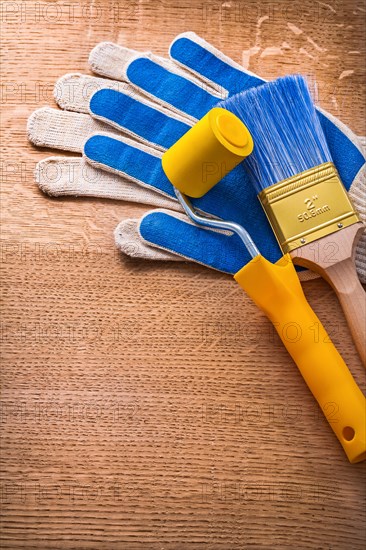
x: 150, y: 405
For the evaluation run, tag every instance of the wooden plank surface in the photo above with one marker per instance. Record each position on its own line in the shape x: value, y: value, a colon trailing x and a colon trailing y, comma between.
x: 150, y: 405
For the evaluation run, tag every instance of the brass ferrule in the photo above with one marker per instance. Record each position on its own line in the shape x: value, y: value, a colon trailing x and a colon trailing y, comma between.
x: 308, y: 206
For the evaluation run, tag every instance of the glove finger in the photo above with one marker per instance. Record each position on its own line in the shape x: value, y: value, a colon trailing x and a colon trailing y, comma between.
x: 172, y: 89
x: 62, y: 129
x: 201, y: 58
x: 169, y: 232
x: 139, y: 119
x: 70, y: 176
x: 108, y: 59
x: 133, y: 161
x: 73, y: 91
x: 174, y: 232
x: 129, y: 241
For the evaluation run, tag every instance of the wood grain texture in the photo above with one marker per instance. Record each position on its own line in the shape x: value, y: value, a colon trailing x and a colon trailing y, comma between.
x: 151, y: 405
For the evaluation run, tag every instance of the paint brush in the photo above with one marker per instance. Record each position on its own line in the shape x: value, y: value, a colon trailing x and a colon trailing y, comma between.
x: 300, y: 190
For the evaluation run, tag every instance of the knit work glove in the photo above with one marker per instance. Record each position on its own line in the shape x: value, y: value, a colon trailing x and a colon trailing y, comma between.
x: 124, y: 122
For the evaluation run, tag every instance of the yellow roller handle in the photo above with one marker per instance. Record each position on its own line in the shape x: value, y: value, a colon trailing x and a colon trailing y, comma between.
x: 276, y: 289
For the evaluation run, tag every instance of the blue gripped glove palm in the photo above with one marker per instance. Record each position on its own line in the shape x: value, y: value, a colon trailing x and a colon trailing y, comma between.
x: 166, y: 97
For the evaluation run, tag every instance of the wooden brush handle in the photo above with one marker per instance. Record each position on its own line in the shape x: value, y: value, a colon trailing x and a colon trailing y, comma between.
x: 333, y: 258
x: 343, y: 278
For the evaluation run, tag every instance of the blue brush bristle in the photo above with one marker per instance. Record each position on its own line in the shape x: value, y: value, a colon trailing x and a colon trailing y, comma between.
x: 287, y: 134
